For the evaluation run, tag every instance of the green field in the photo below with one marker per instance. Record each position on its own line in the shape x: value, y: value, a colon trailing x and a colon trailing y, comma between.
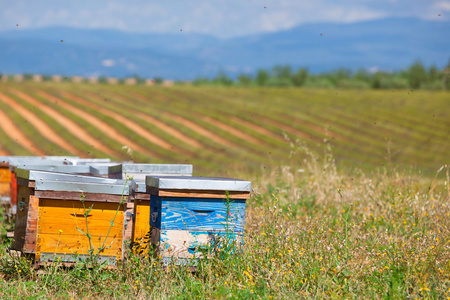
x: 226, y: 130
x: 350, y: 189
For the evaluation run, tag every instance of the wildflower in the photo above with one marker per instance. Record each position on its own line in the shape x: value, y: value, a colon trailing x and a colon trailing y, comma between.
x: 60, y: 231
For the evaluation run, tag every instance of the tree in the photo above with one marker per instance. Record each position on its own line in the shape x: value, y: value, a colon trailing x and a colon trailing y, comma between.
x: 416, y: 75
x: 282, y: 72
x: 223, y: 79
x: 299, y: 78
x: 244, y: 80
x: 261, y: 77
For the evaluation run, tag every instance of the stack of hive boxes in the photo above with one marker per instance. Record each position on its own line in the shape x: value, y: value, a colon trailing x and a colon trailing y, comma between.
x: 193, y: 215
x: 68, y: 208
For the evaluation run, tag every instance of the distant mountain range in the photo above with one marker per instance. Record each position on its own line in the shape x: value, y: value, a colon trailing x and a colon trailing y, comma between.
x: 387, y: 44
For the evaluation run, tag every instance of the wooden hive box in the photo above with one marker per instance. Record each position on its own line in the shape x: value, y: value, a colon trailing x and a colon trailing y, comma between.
x: 21, y: 161
x: 191, y: 213
x: 138, y: 210
x: 50, y: 202
x: 5, y: 182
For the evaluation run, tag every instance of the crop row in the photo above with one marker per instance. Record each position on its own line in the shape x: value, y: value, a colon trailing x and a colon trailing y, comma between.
x: 224, y: 129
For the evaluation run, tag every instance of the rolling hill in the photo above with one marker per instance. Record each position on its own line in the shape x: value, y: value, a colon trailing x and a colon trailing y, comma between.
x: 224, y: 130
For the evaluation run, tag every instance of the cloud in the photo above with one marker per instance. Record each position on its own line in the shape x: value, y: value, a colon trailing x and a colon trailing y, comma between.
x: 215, y: 17
x: 108, y: 63
x: 443, y: 5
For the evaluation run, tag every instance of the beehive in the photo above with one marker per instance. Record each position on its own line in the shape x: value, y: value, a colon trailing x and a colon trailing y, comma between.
x: 5, y: 181
x: 50, y: 202
x: 138, y: 210
x: 9, y: 188
x: 188, y: 214
x: 111, y: 170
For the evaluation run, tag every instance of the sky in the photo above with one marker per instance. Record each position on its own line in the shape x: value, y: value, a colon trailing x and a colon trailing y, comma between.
x: 223, y: 19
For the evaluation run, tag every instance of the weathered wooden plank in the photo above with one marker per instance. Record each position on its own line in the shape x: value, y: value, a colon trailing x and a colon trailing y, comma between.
x: 78, y: 196
x: 201, y: 214
x: 70, y: 260
x: 128, y: 221
x: 186, y: 244
x: 21, y: 218
x: 72, y: 244
x: 55, y: 215
x: 32, y: 224
x: 142, y: 196
x: 141, y: 224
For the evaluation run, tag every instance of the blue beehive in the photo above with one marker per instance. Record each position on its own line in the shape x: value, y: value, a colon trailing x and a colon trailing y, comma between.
x: 191, y: 215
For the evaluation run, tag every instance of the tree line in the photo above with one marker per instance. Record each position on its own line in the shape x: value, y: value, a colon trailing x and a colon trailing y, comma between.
x: 417, y: 76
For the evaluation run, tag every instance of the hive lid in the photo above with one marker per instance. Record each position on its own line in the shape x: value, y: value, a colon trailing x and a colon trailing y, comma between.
x: 34, y: 175
x: 34, y: 160
x: 60, y: 168
x: 139, y: 171
x: 118, y: 187
x: 88, y: 161
x: 198, y: 183
x: 140, y: 186
x: 105, y: 169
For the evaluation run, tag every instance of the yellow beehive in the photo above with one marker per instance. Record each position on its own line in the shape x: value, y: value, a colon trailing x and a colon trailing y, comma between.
x: 55, y: 217
x: 5, y: 181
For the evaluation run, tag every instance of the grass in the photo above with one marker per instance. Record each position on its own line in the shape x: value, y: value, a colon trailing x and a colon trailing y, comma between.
x: 312, y: 230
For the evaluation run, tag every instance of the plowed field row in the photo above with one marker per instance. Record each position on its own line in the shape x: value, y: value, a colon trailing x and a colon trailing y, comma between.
x: 224, y: 130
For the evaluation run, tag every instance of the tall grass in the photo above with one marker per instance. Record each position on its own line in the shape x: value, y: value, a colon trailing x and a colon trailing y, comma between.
x: 312, y: 231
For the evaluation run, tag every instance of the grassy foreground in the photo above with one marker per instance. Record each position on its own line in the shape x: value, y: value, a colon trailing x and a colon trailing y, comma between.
x: 311, y: 232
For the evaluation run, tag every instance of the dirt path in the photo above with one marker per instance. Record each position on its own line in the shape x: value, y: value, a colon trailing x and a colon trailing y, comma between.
x: 15, y: 134
x: 321, y: 130
x: 149, y: 136
x: 44, y: 129
x: 68, y: 124
x: 257, y: 128
x: 161, y: 125
x: 286, y: 128
x: 201, y: 130
x: 102, y: 126
x: 191, y: 125
x: 231, y: 130
x: 3, y: 151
